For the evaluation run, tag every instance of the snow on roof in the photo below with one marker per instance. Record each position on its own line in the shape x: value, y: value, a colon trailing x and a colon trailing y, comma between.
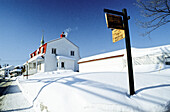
x: 136, y: 52
x: 64, y: 57
x: 7, y: 67
x: 19, y: 66
x: 114, y: 53
x: 16, y: 70
x: 35, y: 57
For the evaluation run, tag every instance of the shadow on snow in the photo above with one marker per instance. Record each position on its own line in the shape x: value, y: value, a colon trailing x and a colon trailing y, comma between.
x: 107, y: 87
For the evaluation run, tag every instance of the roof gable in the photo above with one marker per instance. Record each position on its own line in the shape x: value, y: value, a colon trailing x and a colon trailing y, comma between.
x: 63, y: 38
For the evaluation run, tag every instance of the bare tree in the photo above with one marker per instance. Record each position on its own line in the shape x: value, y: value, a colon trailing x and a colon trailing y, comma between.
x: 157, y: 12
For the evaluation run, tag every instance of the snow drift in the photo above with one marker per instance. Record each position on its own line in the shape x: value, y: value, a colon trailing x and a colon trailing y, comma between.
x: 116, y: 61
x: 66, y: 91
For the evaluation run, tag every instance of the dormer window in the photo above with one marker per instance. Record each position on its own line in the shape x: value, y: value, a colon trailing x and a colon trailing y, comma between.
x: 37, y: 51
x: 42, y: 49
x: 72, y: 53
x: 31, y: 56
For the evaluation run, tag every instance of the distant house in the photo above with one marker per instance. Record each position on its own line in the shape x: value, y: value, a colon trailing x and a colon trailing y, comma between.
x: 5, y: 71
x: 117, y: 60
x: 58, y: 54
x: 16, y: 71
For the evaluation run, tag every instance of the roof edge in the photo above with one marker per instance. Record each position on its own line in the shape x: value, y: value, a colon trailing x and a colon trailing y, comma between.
x: 116, y: 56
x: 62, y: 38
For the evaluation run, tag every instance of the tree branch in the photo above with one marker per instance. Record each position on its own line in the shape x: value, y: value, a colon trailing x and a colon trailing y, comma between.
x: 166, y: 2
x: 158, y: 10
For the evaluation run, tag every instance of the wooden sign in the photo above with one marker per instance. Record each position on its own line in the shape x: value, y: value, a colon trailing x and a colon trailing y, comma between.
x: 117, y: 35
x: 113, y: 21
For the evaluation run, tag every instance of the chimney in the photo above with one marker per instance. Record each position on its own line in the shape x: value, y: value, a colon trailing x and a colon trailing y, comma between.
x: 62, y: 35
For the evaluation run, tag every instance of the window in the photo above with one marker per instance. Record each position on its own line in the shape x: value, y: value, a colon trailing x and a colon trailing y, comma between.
x: 57, y: 64
x: 42, y: 49
x: 34, y: 65
x: 62, y: 64
x: 53, y: 51
x: 31, y: 56
x: 39, y: 65
x: 72, y: 53
x: 37, y: 51
x: 167, y: 60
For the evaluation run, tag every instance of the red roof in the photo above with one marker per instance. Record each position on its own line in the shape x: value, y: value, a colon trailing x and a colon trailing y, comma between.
x: 40, y: 50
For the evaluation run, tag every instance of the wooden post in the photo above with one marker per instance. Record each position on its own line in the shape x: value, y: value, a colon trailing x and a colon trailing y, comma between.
x: 128, y: 50
x: 128, y: 46
x: 27, y: 70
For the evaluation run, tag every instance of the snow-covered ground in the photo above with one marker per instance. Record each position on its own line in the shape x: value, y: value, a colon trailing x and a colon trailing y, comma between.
x: 67, y: 91
x: 13, y: 100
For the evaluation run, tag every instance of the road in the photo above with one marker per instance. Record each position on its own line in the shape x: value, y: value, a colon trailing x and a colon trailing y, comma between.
x: 11, y: 97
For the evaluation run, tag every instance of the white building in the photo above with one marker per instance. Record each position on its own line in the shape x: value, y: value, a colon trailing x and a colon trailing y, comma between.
x: 16, y: 71
x: 117, y: 60
x: 59, y: 54
x: 5, y: 71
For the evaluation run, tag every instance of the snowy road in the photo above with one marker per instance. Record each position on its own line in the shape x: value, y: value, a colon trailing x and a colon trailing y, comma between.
x: 12, y: 99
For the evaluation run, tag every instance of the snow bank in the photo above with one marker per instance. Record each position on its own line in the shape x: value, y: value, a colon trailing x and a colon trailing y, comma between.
x: 67, y: 91
x: 116, y: 61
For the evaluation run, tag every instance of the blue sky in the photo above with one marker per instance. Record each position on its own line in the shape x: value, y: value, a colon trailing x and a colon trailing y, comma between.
x: 22, y: 22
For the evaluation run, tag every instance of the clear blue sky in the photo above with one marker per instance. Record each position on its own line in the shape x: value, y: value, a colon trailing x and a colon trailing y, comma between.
x: 22, y: 22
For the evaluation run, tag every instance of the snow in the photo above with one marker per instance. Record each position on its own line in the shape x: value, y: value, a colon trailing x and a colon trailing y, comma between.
x: 35, y: 58
x: 13, y: 100
x: 114, y: 53
x: 107, y: 91
x: 10, y: 67
x: 16, y: 70
x: 68, y: 91
x: 136, y: 52
x: 64, y: 57
x: 146, y: 56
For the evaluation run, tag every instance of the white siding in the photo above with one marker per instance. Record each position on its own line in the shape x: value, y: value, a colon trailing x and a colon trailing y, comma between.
x: 63, y: 48
x: 112, y: 64
x: 50, y: 62
x: 68, y: 64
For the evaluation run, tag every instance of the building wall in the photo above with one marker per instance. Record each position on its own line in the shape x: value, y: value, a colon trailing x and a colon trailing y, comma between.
x: 63, y: 48
x: 43, y: 60
x: 50, y: 62
x: 40, y: 67
x: 112, y: 64
x: 68, y: 64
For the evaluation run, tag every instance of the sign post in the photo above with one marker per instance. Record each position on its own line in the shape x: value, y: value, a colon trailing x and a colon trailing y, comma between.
x: 128, y: 50
x: 119, y: 36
